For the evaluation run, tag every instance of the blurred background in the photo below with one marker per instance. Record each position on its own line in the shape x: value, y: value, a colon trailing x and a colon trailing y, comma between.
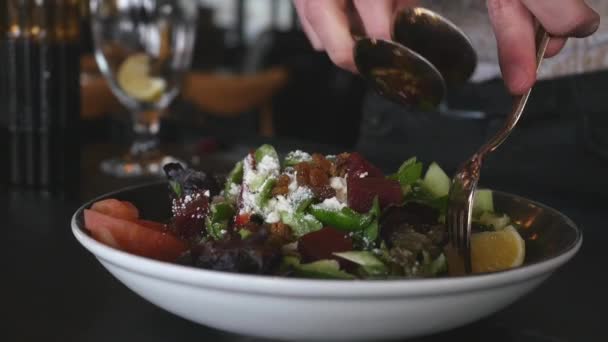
x: 255, y: 78
x: 253, y: 74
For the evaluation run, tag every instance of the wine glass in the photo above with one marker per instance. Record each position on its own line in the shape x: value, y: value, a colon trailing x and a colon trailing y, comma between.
x: 143, y: 48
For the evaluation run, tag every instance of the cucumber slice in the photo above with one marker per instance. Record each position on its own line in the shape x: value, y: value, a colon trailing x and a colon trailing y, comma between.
x: 409, y: 172
x: 497, y: 222
x: 235, y: 175
x: 370, y: 263
x: 436, y: 182
x: 301, y: 223
x: 266, y: 150
x: 483, y: 202
x: 322, y: 269
x: 265, y: 192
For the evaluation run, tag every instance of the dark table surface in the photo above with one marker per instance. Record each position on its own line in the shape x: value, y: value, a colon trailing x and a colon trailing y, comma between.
x: 53, y: 289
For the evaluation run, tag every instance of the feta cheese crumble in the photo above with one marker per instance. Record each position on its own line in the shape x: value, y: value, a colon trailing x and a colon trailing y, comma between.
x: 300, y: 155
x: 339, y: 185
x: 267, y: 168
x: 331, y: 204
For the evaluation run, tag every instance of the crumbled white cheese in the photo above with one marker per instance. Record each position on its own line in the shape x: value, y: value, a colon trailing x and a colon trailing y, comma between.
x: 309, y: 217
x: 300, y: 194
x: 300, y: 155
x: 363, y: 175
x: 234, y: 190
x: 331, y: 204
x: 273, y: 217
x: 207, y: 193
x: 248, y: 171
x: 283, y: 204
x: 248, y: 202
x: 276, y: 206
x: 293, y: 184
x: 339, y: 185
x: 268, y: 166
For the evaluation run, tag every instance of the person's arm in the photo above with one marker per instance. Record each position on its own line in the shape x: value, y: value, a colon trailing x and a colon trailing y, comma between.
x: 326, y: 23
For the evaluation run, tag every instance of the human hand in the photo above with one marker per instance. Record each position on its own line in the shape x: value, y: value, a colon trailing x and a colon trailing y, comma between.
x: 513, y: 23
x: 327, y: 25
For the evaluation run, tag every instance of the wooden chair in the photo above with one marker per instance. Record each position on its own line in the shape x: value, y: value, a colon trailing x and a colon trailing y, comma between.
x: 231, y: 95
x: 216, y: 94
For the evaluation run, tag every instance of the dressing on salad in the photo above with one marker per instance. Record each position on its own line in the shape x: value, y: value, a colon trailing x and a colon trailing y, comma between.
x: 315, y: 216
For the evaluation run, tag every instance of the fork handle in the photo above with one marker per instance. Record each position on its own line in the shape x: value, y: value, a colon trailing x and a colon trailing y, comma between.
x: 519, y: 102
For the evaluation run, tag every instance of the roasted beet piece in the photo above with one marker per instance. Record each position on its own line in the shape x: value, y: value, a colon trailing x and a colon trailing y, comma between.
x: 189, y: 213
x: 362, y: 191
x: 323, y: 243
x: 358, y: 166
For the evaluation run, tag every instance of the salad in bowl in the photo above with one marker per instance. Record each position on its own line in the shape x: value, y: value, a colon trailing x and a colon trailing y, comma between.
x: 317, y: 247
x: 309, y: 216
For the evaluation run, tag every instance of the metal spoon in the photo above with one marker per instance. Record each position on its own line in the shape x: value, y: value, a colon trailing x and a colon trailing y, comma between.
x: 426, y: 50
x: 439, y: 40
x: 399, y: 73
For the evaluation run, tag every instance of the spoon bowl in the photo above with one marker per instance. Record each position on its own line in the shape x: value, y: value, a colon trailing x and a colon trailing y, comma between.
x: 439, y: 40
x: 427, y: 54
x: 399, y: 74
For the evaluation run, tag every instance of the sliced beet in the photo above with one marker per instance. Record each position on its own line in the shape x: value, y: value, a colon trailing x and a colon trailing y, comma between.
x: 189, y: 215
x: 362, y: 191
x: 358, y: 166
x: 323, y: 243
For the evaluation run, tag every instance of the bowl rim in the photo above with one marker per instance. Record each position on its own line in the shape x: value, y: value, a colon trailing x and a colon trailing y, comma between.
x: 318, y: 288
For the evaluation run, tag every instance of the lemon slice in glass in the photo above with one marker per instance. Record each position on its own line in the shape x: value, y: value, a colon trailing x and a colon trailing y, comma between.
x: 497, y: 250
x: 134, y: 78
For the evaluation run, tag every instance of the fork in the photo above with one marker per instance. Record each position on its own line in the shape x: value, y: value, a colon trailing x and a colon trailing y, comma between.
x: 464, y: 183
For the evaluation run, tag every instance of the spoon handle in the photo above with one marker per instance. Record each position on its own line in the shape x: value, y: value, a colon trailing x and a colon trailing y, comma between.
x: 519, y: 102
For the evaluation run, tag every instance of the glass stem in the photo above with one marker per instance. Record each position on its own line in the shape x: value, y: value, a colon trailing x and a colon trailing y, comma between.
x: 146, y: 125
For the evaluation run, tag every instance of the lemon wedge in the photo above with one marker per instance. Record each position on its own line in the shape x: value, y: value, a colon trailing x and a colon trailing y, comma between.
x: 134, y: 78
x: 497, y: 250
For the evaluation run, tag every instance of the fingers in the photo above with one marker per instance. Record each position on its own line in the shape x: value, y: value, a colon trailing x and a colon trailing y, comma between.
x: 565, y: 18
x: 555, y: 46
x: 376, y: 16
x: 310, y: 32
x: 331, y: 26
x: 400, y: 4
x: 514, y: 29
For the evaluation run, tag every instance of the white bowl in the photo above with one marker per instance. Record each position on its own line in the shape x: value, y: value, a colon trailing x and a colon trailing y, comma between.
x: 298, y: 309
